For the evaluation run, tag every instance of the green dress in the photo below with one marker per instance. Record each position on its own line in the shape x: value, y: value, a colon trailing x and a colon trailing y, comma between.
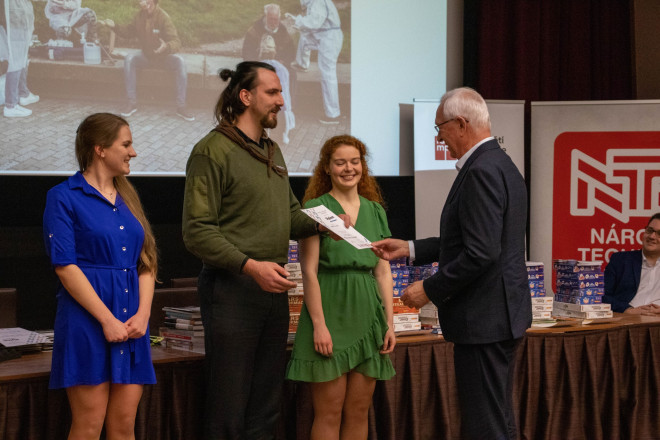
x: 352, y: 305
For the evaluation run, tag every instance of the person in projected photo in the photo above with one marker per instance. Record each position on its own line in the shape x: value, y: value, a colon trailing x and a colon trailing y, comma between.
x: 268, y: 54
x: 67, y: 15
x: 632, y: 278
x: 19, y: 25
x: 320, y: 30
x: 269, y: 24
x: 345, y: 332
x: 159, y: 43
x: 239, y: 213
x: 100, y: 243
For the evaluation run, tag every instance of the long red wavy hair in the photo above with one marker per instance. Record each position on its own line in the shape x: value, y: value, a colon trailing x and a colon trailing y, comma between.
x: 320, y: 182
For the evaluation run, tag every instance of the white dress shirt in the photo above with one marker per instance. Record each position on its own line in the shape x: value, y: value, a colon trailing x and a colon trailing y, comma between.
x: 648, y: 291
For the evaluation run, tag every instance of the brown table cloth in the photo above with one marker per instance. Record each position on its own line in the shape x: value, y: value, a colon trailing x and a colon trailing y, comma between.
x: 583, y: 382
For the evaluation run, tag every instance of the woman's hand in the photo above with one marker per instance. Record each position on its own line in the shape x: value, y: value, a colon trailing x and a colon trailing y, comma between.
x: 115, y: 331
x: 322, y: 340
x: 389, y: 341
x: 137, y: 326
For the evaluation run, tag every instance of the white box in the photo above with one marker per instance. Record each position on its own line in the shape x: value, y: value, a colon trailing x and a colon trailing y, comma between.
x: 407, y: 326
x: 405, y: 317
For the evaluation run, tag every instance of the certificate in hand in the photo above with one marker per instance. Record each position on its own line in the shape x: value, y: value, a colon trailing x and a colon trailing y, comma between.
x: 334, y: 224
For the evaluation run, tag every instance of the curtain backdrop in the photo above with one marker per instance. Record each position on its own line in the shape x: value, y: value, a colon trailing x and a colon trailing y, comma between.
x: 549, y: 50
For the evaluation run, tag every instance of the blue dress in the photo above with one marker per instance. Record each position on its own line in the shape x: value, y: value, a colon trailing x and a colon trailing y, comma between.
x: 81, y: 227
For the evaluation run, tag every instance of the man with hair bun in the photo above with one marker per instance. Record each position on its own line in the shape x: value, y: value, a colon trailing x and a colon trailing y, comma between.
x: 238, y: 216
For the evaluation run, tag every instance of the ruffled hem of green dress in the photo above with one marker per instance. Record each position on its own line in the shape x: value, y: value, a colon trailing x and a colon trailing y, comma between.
x: 363, y: 356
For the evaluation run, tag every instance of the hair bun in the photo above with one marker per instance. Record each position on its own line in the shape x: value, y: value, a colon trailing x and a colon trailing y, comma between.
x: 225, y: 74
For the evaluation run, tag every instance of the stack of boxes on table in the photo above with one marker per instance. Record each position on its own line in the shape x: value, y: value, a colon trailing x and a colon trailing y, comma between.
x: 541, y: 304
x: 580, y: 290
x: 183, y: 328
x: 295, y: 294
x: 407, y: 318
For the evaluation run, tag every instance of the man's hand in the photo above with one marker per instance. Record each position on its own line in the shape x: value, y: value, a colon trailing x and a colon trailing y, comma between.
x: 415, y: 296
x: 270, y: 276
x: 390, y: 249
x: 648, y: 310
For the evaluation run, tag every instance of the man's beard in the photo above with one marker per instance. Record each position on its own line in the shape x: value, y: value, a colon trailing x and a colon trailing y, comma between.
x: 267, y: 122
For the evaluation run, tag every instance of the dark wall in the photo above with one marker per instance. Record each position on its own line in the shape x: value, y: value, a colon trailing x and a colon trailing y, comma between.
x: 23, y: 261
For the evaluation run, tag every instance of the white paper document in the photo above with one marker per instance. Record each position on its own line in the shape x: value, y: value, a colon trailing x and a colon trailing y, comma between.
x: 328, y: 219
x: 16, y: 337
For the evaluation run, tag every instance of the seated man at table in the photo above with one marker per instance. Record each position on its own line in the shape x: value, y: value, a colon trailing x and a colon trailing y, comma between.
x: 632, y: 278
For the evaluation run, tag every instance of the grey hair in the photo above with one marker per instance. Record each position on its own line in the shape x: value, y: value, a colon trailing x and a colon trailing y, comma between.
x: 272, y: 7
x: 469, y: 104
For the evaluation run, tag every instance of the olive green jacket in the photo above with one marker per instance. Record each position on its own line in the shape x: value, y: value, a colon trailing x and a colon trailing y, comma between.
x: 234, y: 209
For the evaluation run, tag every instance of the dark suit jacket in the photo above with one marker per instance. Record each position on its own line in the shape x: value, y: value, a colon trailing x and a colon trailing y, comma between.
x: 622, y: 275
x: 481, y: 288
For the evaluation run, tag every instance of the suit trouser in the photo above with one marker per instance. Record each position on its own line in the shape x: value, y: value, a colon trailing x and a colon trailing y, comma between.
x: 245, y: 333
x: 484, y: 378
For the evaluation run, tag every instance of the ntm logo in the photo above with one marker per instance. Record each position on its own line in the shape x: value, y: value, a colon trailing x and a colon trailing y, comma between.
x: 626, y: 184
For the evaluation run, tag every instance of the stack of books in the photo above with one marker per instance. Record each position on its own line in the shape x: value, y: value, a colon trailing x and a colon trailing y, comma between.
x: 428, y: 314
x: 25, y: 341
x: 541, y: 304
x: 182, y: 328
x: 580, y: 290
x: 296, y: 294
x: 583, y: 311
x: 579, y: 282
x: 408, y: 318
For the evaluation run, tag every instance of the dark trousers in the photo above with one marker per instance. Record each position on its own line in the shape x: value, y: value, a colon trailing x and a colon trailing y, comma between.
x: 484, y: 378
x: 245, y: 332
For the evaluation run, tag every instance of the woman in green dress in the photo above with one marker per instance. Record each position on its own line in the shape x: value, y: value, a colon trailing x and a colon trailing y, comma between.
x: 345, y: 332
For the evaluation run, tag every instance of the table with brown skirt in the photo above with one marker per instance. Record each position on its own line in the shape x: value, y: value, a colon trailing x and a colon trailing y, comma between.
x: 598, y: 381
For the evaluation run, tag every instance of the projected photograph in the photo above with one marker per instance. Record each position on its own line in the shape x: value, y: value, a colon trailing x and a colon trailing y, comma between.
x: 156, y: 63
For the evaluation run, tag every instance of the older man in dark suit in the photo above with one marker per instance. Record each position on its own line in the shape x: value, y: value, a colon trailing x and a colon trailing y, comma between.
x: 481, y: 287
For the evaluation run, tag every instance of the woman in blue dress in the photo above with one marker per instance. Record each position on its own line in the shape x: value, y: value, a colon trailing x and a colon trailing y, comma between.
x: 104, y: 254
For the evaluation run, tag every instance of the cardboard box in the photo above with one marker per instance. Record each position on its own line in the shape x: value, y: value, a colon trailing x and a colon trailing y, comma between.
x: 407, y: 326
x: 584, y: 315
x: 582, y: 307
x: 295, y: 303
x: 541, y: 315
x: 293, y: 322
x: 405, y: 317
x: 542, y: 300
x: 399, y: 307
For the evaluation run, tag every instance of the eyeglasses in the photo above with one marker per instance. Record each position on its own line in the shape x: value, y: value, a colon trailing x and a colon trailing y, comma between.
x: 437, y: 127
x: 649, y: 231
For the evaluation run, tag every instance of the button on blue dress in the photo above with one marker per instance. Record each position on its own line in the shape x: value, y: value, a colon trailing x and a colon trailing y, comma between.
x: 81, y: 227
